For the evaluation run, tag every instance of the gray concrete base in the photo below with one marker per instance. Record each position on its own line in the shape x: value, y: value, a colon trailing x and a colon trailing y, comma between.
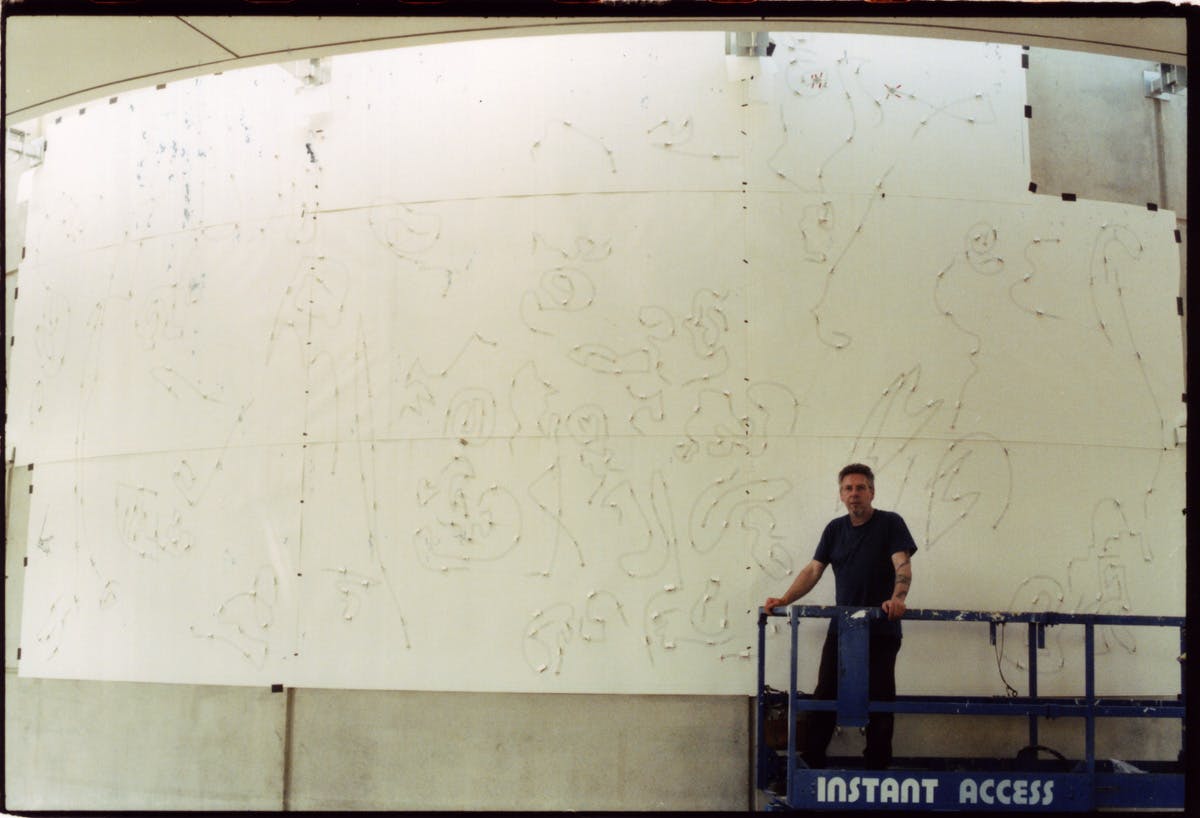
x: 496, y: 751
x: 122, y: 746
x: 111, y: 746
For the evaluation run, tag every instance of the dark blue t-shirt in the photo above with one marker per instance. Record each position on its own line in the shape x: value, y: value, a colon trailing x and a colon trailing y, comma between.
x: 861, y: 557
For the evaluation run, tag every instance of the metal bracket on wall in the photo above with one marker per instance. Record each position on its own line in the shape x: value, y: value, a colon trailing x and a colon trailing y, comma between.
x: 1164, y: 81
x: 748, y: 44
x: 25, y: 145
x: 316, y: 71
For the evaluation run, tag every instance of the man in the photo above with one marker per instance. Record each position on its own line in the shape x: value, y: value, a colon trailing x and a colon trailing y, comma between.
x: 870, y: 551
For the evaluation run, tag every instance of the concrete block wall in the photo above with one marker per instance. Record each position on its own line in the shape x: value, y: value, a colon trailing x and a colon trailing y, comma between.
x: 85, y: 745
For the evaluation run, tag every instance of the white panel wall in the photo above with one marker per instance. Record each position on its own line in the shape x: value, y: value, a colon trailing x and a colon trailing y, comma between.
x: 528, y: 365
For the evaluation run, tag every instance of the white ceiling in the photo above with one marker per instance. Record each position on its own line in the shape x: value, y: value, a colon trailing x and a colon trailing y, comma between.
x: 55, y: 62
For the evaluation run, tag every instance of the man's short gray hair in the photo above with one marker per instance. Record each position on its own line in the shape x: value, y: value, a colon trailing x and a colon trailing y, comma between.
x: 858, y: 468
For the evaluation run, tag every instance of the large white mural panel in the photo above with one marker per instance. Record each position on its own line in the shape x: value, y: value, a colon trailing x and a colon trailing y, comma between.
x: 983, y: 283
x: 648, y: 112
x: 162, y: 568
x: 180, y: 341
x: 529, y: 364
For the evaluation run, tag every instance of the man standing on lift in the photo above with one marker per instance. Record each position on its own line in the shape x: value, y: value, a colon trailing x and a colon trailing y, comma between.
x: 870, y: 551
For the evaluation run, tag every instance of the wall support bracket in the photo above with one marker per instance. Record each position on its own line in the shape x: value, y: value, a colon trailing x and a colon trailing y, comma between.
x: 1163, y: 82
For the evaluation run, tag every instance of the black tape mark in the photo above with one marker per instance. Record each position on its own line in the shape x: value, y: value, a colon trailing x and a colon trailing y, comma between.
x: 1033, y: 187
x: 1151, y: 206
x: 1029, y: 112
x: 1068, y: 197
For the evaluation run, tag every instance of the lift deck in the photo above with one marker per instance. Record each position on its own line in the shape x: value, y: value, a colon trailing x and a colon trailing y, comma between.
x: 1027, y: 782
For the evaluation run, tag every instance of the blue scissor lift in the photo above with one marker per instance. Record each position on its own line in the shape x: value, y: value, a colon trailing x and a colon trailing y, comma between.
x: 1028, y: 783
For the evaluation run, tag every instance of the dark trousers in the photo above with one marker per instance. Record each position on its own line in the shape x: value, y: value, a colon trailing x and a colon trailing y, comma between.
x: 881, y: 686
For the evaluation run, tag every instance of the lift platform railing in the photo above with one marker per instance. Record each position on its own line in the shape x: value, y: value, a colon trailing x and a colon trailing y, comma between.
x: 964, y: 783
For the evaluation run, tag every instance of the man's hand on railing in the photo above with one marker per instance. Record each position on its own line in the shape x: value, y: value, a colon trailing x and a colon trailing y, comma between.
x: 895, y: 608
x: 774, y: 602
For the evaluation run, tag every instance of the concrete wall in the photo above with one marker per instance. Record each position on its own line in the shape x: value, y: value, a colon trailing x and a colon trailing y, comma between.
x: 97, y: 746
x: 1094, y: 133
x: 109, y: 746
x: 497, y: 751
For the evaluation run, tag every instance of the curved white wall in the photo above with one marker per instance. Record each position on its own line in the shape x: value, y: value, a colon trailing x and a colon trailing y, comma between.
x: 529, y: 365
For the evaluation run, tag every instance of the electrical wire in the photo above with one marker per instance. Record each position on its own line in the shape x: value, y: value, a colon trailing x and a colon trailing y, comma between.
x: 999, y: 644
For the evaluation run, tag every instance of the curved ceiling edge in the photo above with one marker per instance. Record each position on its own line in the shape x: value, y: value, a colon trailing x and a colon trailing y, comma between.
x: 71, y: 71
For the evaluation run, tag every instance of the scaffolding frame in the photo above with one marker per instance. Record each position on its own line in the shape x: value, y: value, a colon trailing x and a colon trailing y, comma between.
x: 1029, y: 784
